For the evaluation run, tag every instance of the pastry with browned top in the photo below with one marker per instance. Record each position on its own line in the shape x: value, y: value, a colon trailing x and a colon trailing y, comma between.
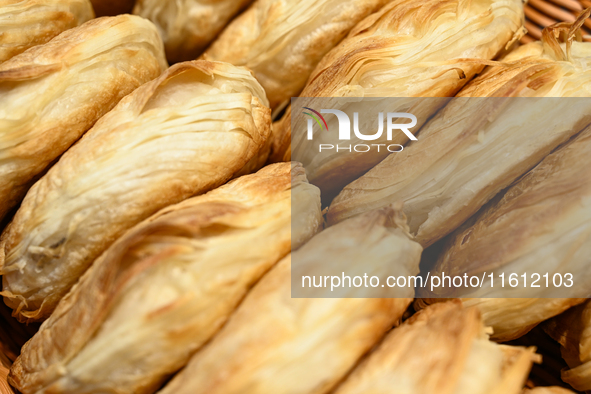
x: 53, y: 93
x: 168, y: 285
x: 185, y: 133
x: 25, y: 24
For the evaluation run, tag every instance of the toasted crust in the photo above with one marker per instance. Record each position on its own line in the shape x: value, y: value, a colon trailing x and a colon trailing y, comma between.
x: 275, y: 341
x: 166, y: 287
x: 407, y: 49
x: 53, y: 93
x: 282, y: 41
x: 182, y: 134
x: 389, y: 33
x: 25, y: 24
x: 84, y: 43
x: 543, y: 220
x: 572, y: 330
x: 442, y: 349
x: 187, y: 27
x: 512, y: 318
x: 474, y: 148
x: 532, y: 208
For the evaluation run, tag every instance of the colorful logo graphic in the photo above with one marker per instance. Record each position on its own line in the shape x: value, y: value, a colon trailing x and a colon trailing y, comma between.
x: 316, y: 117
x: 348, y: 130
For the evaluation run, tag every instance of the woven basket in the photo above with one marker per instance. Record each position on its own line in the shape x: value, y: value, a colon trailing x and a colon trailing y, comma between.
x: 4, y: 387
x: 13, y: 336
x: 542, y: 13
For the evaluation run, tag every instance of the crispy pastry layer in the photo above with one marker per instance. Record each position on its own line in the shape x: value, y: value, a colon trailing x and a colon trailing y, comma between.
x: 53, y: 93
x: 282, y: 41
x: 162, y: 290
x: 442, y: 349
x: 182, y: 134
x: 187, y: 27
x: 572, y: 330
x: 476, y: 147
x: 540, y: 224
x: 25, y: 24
x: 274, y: 341
x: 409, y: 48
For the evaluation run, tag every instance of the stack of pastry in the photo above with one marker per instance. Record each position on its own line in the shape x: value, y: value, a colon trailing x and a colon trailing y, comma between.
x: 153, y: 217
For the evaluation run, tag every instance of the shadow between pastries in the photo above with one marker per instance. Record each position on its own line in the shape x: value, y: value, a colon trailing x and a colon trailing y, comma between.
x: 188, y: 27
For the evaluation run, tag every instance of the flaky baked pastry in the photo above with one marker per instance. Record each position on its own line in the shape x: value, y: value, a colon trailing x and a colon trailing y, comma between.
x: 572, y: 330
x: 112, y: 7
x: 283, y: 40
x: 409, y: 48
x: 442, y: 349
x: 182, y: 134
x: 188, y: 26
x: 162, y: 290
x: 476, y: 147
x: 51, y: 94
x: 27, y: 23
x: 512, y: 318
x: 274, y: 341
x: 541, y: 224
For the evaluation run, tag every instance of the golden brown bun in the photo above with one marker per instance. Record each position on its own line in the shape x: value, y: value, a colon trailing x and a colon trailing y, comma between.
x: 442, y: 349
x: 408, y: 49
x: 187, y: 27
x: 572, y: 330
x: 542, y: 221
x: 162, y: 290
x: 474, y: 148
x: 25, y: 24
x: 180, y: 135
x: 283, y: 40
x: 53, y: 93
x: 274, y: 341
